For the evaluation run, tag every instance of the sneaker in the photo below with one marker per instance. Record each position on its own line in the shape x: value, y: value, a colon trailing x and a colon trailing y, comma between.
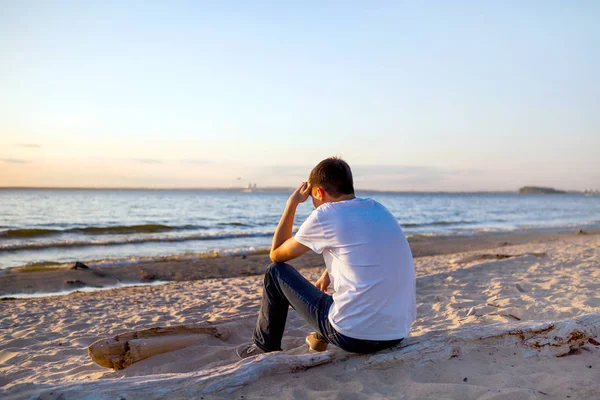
x: 315, y: 343
x: 248, y: 350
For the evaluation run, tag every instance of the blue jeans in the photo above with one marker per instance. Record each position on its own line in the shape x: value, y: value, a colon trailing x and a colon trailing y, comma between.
x: 284, y: 287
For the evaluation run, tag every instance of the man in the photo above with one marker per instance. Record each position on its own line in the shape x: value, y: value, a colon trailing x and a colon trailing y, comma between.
x: 369, y: 264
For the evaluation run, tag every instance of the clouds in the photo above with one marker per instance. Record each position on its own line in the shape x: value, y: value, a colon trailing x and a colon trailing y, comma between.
x: 15, y: 161
x: 154, y: 161
x: 401, y: 174
x: 148, y: 160
x: 196, y: 162
x: 163, y: 161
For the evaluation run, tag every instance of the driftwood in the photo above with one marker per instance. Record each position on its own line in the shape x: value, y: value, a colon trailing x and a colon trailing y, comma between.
x: 542, y: 339
x: 127, y: 348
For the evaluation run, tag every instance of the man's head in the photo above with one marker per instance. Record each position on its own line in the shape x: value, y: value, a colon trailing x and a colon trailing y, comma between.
x: 331, y: 180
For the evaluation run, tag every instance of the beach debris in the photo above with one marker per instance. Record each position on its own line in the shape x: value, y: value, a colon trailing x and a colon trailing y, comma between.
x: 480, y: 257
x: 506, y: 314
x: 480, y: 311
x: 581, y: 232
x: 465, y: 379
x: 519, y: 288
x: 75, y: 282
x: 144, y: 276
x: 455, y: 352
x: 80, y: 265
x: 127, y: 348
x: 594, y: 342
x: 543, y: 339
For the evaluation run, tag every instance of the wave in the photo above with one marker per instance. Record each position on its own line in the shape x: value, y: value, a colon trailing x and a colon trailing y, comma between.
x: 437, y: 223
x: 130, y: 240
x: 117, y: 262
x: 246, y: 224
x: 234, y: 224
x: 95, y: 230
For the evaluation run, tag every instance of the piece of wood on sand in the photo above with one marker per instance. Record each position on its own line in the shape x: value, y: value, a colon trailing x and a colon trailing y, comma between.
x: 539, y: 339
x: 127, y: 348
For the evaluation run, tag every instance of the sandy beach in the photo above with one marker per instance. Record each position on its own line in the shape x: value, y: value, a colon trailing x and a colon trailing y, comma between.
x: 50, y: 279
x: 480, y: 331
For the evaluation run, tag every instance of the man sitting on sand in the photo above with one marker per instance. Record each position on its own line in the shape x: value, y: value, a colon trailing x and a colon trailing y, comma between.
x: 369, y: 264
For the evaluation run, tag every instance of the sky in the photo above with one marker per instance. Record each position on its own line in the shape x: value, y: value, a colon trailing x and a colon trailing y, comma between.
x: 426, y: 96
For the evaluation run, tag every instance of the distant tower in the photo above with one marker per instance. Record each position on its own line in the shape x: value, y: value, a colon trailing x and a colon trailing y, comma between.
x: 254, y: 186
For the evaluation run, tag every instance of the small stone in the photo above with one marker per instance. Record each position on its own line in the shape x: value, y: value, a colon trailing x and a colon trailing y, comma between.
x: 80, y: 265
x: 149, y: 277
x: 75, y: 282
x: 464, y: 380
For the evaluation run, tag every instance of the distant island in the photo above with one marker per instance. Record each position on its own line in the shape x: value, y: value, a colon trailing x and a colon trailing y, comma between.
x: 539, y: 190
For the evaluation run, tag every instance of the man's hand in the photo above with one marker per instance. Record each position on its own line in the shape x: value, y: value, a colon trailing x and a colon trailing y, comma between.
x: 301, y: 194
x: 284, y: 247
x: 323, y: 282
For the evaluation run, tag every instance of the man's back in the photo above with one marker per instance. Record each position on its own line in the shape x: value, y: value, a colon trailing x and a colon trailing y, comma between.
x: 370, y: 266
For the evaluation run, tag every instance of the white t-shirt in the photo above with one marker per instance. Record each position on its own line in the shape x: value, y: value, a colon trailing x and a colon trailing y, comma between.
x: 370, y: 266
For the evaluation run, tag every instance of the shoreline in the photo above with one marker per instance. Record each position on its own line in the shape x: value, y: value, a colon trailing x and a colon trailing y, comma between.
x: 52, y: 281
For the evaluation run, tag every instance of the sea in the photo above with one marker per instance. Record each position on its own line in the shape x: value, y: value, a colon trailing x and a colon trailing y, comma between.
x: 48, y: 227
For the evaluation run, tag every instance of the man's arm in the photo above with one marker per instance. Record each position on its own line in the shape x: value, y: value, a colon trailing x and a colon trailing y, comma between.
x: 284, y: 246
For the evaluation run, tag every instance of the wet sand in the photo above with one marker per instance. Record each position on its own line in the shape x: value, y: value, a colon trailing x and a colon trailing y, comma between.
x: 66, y: 279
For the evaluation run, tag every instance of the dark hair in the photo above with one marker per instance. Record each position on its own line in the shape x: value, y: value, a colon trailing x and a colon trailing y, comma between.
x: 334, y: 175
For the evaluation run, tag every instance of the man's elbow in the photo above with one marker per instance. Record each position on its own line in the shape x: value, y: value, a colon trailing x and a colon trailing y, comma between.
x: 276, y: 257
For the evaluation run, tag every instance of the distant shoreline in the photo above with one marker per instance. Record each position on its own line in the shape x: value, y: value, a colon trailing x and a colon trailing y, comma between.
x: 269, y: 190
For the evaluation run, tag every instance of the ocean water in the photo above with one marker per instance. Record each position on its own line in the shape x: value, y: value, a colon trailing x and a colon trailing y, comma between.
x: 103, y: 227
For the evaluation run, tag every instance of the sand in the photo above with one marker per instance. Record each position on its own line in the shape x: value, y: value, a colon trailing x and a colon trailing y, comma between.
x: 37, y: 279
x: 462, y: 295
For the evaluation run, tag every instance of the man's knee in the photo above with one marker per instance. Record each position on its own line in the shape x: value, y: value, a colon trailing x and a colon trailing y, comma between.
x: 276, y: 267
x: 273, y: 267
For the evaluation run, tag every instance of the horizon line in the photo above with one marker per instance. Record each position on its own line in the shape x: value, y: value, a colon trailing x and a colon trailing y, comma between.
x: 244, y: 189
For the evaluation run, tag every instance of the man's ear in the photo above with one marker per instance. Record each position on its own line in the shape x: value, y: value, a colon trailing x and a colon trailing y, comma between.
x: 320, y: 194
